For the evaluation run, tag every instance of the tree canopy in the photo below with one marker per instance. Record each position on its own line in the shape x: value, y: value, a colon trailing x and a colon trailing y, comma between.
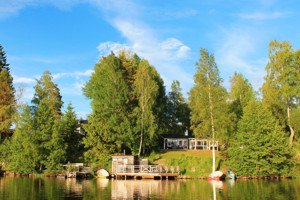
x: 281, y: 90
x: 7, y: 97
x: 261, y: 148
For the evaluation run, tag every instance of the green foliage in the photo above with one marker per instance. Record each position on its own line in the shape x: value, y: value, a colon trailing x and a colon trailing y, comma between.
x: 109, y: 125
x: 7, y: 96
x: 146, y: 90
x: 57, y: 147
x: 178, y: 111
x: 19, y: 152
x: 207, y: 79
x: 71, y: 135
x: 241, y: 92
x: 116, y: 89
x: 261, y: 148
x: 47, y: 90
x: 296, y: 122
x: 281, y: 90
x: 3, y: 63
x: 38, y: 141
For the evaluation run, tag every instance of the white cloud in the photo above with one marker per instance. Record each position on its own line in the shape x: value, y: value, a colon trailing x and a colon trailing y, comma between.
x: 165, y: 55
x: 263, y: 15
x: 18, y: 79
x: 106, y: 47
x: 175, y: 47
x: 74, y: 74
x: 233, y: 52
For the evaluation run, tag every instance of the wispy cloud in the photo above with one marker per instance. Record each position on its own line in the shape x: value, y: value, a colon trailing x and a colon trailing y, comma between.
x: 263, y: 15
x: 106, y: 47
x: 18, y: 79
x: 12, y: 7
x: 165, y: 54
x: 233, y: 52
x: 74, y: 74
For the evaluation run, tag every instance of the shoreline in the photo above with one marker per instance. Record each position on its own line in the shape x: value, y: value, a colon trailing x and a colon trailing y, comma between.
x: 13, y: 174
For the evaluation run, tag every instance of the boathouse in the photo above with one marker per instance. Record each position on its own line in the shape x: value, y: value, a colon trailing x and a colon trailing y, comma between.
x: 176, y: 142
x: 129, y: 166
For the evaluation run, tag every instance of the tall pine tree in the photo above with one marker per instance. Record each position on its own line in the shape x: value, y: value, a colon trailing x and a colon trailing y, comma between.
x: 178, y: 110
x: 70, y: 134
x: 47, y: 114
x: 7, y: 97
x: 261, y: 148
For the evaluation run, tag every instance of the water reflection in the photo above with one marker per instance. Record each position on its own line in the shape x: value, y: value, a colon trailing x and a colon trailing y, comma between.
x: 52, y: 188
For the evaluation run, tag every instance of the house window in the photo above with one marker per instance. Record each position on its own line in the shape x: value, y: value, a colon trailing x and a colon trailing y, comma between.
x: 180, y: 142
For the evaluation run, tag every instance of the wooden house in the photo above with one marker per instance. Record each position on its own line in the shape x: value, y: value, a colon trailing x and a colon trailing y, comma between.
x: 175, y: 142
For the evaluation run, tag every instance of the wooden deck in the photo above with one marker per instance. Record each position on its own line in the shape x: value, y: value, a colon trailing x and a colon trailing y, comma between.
x: 145, y: 172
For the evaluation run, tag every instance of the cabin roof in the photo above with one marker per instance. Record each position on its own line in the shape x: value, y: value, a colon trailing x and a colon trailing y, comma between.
x: 123, y: 155
x: 175, y: 136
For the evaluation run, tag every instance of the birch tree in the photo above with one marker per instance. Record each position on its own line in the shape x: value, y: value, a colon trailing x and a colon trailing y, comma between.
x: 281, y: 90
x: 208, y: 101
x: 146, y: 90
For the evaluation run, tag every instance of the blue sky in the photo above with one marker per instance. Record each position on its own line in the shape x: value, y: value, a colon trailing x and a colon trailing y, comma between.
x: 68, y: 37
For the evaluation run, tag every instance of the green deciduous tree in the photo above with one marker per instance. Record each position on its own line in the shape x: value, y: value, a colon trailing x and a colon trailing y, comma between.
x: 209, y: 110
x: 109, y: 127
x: 7, y: 96
x: 127, y: 96
x: 281, y: 89
x: 146, y: 90
x: 261, y: 148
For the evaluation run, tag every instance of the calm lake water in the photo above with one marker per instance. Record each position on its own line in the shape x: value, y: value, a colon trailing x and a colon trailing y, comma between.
x: 56, y: 188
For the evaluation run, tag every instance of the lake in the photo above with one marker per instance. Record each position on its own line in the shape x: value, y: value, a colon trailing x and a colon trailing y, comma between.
x: 58, y: 188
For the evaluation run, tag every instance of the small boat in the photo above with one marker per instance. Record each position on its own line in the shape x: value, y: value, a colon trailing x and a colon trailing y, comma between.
x: 217, y: 175
x: 61, y: 176
x: 102, y: 173
x: 230, y: 173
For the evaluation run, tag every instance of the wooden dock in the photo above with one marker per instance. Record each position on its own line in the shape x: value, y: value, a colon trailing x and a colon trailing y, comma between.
x: 144, y: 172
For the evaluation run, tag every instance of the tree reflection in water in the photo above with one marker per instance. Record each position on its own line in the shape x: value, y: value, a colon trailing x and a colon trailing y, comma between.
x: 53, y: 188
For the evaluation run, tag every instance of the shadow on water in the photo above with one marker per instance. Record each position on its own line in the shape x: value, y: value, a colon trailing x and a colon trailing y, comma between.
x: 54, y: 188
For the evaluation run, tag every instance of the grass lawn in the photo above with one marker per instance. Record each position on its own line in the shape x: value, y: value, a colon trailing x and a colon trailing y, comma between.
x: 192, y: 163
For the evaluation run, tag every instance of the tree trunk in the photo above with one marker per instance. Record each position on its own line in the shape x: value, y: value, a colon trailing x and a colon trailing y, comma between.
x: 142, y: 126
x: 212, y: 125
x: 290, y: 126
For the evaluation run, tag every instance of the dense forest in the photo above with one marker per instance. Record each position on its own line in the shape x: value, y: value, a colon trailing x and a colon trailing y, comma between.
x: 258, y: 131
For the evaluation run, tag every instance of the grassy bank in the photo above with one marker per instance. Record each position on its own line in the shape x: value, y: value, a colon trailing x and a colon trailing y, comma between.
x: 192, y: 163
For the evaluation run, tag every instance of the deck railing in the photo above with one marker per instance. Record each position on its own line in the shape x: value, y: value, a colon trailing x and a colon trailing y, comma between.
x: 135, y: 169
